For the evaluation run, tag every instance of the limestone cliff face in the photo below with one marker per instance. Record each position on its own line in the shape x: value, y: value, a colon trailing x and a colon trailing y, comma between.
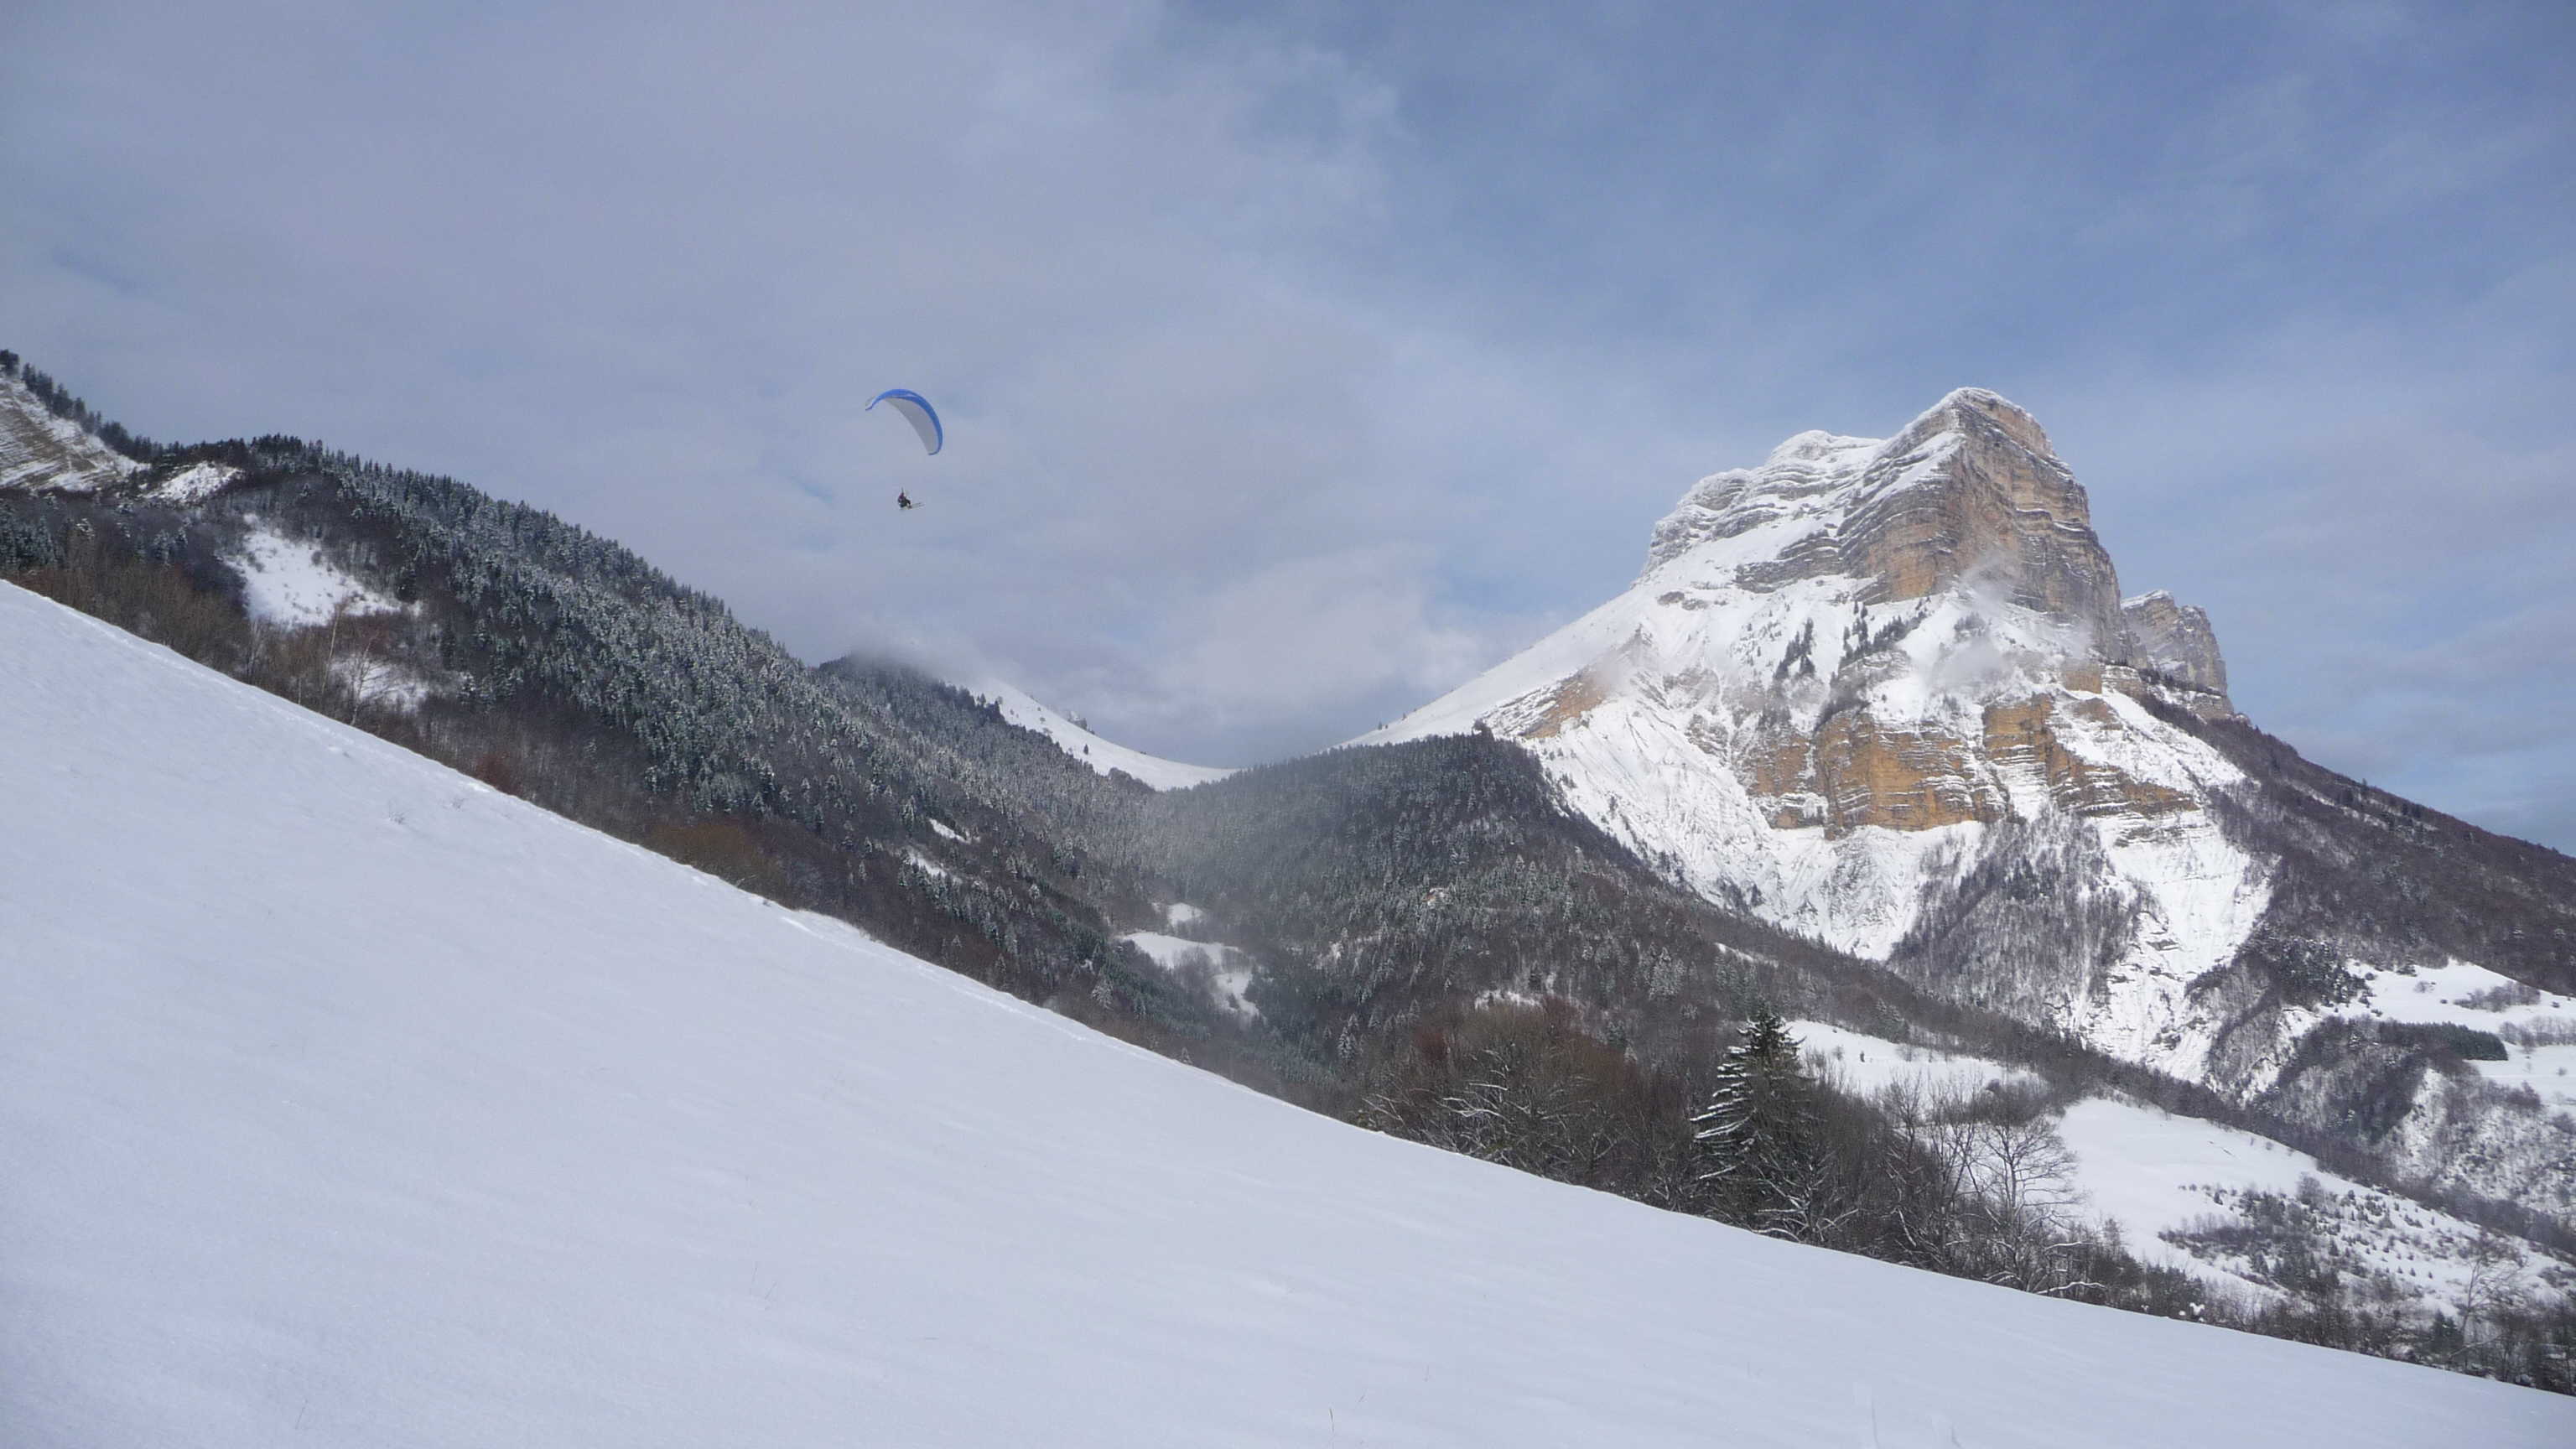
x: 1970, y: 496
x: 2000, y: 512
x: 2174, y: 639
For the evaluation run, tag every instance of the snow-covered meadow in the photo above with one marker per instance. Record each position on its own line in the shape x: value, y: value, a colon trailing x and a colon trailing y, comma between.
x: 288, y: 584
x: 345, y: 1101
x: 1230, y: 970
x: 1865, y: 1065
x: 2154, y: 1174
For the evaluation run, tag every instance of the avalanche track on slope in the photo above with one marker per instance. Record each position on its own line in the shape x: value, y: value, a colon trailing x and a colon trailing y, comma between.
x: 345, y: 1101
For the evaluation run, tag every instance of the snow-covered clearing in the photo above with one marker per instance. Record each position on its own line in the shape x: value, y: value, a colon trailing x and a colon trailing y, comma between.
x: 344, y: 1101
x: 1229, y: 969
x: 2462, y: 994
x: 2549, y: 1071
x: 289, y: 584
x: 1866, y: 1065
x: 195, y: 483
x: 2153, y: 1172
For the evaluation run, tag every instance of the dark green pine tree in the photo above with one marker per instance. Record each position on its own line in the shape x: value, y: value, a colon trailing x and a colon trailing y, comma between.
x: 1757, y: 1133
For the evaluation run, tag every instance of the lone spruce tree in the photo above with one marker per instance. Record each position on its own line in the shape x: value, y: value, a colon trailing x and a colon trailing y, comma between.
x: 1756, y: 1135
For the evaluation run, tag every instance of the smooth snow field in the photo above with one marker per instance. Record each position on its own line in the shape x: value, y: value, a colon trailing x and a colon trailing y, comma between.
x: 344, y: 1102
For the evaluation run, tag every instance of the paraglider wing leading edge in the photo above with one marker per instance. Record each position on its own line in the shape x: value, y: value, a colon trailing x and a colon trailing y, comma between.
x: 916, y: 411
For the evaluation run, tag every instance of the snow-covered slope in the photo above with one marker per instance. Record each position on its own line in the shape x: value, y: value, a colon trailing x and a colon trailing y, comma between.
x: 288, y: 583
x: 2213, y: 1201
x: 345, y: 1101
x: 1079, y: 742
x: 2180, y: 1188
x: 40, y: 450
x: 1230, y: 968
x: 1865, y: 1065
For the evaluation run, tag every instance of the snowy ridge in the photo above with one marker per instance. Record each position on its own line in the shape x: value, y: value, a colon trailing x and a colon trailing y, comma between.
x: 349, y: 1101
x: 40, y: 450
x: 1101, y: 755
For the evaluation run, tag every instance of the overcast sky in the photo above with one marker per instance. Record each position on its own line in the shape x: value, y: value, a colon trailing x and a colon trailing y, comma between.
x: 1300, y: 362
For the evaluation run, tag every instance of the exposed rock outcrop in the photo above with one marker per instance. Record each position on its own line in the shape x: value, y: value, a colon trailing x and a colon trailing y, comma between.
x: 2174, y: 639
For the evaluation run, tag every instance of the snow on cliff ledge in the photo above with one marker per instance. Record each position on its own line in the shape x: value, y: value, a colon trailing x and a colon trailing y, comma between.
x: 346, y: 1101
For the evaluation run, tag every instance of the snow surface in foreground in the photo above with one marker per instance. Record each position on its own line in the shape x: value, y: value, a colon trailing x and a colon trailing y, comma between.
x: 344, y: 1101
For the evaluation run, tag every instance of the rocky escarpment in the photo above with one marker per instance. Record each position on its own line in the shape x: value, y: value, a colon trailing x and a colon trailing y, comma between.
x: 1970, y: 495
x: 2174, y: 640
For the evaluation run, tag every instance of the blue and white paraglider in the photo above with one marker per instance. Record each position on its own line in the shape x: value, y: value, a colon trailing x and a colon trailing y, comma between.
x: 917, y: 411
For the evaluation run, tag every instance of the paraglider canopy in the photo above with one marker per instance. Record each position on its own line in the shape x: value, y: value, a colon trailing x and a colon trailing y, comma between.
x: 916, y: 411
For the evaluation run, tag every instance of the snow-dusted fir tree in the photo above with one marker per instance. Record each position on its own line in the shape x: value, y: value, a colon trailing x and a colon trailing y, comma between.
x: 1756, y: 1132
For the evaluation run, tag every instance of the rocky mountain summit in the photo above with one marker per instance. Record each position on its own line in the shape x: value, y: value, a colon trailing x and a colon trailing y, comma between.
x: 1888, y: 693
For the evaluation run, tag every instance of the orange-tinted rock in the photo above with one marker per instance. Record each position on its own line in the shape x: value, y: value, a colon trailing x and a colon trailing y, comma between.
x: 1574, y: 696
x: 2024, y: 734
x: 1898, y: 779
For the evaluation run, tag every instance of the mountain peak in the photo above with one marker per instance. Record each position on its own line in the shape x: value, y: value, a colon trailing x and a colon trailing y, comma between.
x: 1842, y: 668
x: 1968, y: 493
x: 1970, y: 410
